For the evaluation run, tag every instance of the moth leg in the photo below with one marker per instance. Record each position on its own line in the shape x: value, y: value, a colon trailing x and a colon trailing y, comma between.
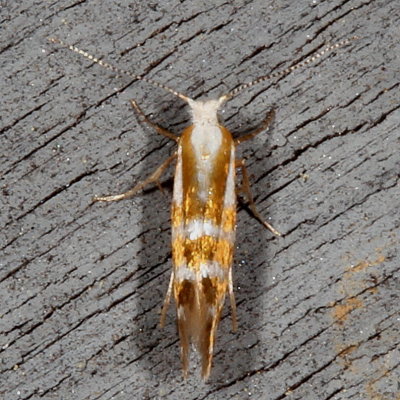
x: 159, y: 129
x: 154, y: 177
x: 246, y: 188
x: 232, y: 301
x: 166, y: 301
x: 263, y: 126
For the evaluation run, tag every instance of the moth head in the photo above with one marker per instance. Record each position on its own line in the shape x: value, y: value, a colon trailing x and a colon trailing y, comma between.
x: 205, y: 110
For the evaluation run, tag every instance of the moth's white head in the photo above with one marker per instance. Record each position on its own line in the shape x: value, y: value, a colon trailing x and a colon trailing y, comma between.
x: 205, y: 112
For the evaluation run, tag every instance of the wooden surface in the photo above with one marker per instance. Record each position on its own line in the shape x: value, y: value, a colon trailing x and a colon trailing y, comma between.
x: 81, y: 284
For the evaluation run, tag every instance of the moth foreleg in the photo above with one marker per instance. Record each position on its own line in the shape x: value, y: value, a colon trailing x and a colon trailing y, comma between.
x: 262, y: 127
x: 153, y: 178
x: 159, y: 129
x: 246, y: 188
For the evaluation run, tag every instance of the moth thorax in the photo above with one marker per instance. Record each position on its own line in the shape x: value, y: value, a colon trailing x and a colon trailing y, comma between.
x: 206, y: 139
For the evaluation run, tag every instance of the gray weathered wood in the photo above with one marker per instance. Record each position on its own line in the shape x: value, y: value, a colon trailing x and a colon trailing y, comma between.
x: 81, y: 284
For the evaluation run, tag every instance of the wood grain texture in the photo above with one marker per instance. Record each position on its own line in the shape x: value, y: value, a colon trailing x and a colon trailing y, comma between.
x: 81, y: 284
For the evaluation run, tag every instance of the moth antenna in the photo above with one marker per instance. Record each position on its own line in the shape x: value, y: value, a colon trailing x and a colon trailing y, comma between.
x: 118, y: 70
x: 288, y: 70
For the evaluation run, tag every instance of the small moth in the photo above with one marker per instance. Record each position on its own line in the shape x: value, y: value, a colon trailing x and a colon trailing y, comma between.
x: 203, y: 210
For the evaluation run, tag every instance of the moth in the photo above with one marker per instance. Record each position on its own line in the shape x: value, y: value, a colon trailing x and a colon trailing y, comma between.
x: 203, y: 210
